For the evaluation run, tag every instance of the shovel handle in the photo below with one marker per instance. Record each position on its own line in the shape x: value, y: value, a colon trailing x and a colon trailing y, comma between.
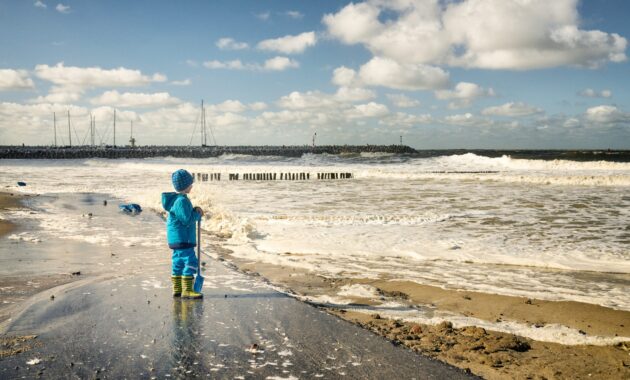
x: 199, y: 247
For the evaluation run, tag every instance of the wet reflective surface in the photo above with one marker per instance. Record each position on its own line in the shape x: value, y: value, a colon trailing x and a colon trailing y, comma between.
x: 121, y: 322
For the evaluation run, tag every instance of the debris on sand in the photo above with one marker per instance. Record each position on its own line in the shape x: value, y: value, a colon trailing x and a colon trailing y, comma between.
x: 13, y: 345
x: 254, y: 349
x: 34, y: 361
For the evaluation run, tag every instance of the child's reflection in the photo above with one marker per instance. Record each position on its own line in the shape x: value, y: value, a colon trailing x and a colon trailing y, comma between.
x: 187, y: 342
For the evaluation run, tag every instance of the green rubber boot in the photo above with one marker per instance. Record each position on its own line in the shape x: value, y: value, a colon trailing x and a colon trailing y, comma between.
x: 188, y: 292
x: 177, y: 285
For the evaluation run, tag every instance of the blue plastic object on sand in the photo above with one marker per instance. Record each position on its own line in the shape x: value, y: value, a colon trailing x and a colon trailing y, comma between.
x: 20, y: 183
x: 131, y: 208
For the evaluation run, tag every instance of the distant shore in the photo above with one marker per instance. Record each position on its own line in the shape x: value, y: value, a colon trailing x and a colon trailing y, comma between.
x: 112, y: 152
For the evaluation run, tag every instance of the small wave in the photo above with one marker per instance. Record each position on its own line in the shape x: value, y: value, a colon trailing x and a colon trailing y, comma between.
x: 505, y: 162
x: 595, y: 179
x: 351, y: 220
x: 376, y: 154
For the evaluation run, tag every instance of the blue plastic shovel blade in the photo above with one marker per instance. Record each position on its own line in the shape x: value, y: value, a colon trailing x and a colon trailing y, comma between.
x: 198, y: 283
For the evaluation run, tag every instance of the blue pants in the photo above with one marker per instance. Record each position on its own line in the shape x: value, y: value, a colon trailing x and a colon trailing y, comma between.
x: 184, y: 262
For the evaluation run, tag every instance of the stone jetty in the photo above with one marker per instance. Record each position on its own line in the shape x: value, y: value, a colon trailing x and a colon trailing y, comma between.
x: 47, y: 152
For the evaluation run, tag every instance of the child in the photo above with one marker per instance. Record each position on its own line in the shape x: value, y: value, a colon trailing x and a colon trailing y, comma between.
x: 180, y: 233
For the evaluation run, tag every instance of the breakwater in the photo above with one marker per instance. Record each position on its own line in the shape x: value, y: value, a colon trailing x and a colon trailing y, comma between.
x: 30, y: 152
x: 284, y: 176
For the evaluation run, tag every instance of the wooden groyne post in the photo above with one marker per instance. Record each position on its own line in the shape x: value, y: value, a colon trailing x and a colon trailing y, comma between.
x: 283, y: 176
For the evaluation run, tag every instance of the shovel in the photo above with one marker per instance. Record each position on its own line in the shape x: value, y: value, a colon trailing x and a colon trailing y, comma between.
x: 198, y: 278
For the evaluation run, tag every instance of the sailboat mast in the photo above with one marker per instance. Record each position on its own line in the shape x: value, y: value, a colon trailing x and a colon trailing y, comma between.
x: 114, y: 128
x: 69, y: 133
x: 203, y: 125
x: 205, y: 131
x: 55, y: 127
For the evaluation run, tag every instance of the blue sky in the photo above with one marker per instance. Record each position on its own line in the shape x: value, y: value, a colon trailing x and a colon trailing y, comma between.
x: 443, y: 74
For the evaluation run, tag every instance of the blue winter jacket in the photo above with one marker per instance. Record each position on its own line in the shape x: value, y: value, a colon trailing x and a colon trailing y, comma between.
x: 180, y: 224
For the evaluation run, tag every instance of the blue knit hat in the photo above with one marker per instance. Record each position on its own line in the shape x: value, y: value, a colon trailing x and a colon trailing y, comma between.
x: 181, y: 179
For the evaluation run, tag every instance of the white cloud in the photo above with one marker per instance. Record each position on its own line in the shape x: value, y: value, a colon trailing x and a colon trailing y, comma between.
x: 319, y: 100
x: 280, y: 64
x: 81, y: 78
x: 33, y: 123
x: 227, y: 119
x: 192, y: 63
x: 257, y: 106
x: 289, y: 44
x: 402, y: 101
x: 401, y: 119
x: 571, y: 122
x: 61, y: 8
x: 354, y: 94
x: 402, y: 76
x: 233, y: 106
x: 467, y: 119
x: 227, y: 43
x: 590, y: 93
x: 15, y: 80
x: 607, y: 115
x: 367, y: 110
x: 58, y: 97
x: 512, y: 109
x: 355, y: 23
x: 230, y: 65
x: 463, y: 94
x: 263, y: 15
x: 343, y: 76
x: 308, y: 100
x: 476, y: 33
x: 185, y: 82
x: 181, y: 116
x: 273, y: 64
x: 296, y: 15
x: 292, y: 117
x: 39, y: 4
x: 130, y: 99
x: 106, y: 113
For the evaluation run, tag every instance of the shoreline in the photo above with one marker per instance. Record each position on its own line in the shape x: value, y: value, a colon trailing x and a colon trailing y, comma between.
x: 493, y: 355
x: 484, y: 352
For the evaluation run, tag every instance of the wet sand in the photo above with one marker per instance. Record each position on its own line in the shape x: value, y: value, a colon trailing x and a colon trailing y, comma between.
x: 16, y: 289
x: 123, y: 323
x: 8, y: 201
x: 492, y: 355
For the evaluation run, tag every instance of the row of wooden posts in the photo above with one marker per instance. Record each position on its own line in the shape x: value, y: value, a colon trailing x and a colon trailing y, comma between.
x: 205, y: 177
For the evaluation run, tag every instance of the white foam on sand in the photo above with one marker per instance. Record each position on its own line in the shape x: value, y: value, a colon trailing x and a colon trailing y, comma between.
x: 25, y: 236
x: 358, y: 290
x: 554, y: 333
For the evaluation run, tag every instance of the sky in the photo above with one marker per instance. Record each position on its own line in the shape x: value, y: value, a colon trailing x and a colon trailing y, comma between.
x: 438, y: 74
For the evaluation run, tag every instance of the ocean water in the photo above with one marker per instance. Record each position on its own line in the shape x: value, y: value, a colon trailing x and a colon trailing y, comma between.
x: 546, y: 229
